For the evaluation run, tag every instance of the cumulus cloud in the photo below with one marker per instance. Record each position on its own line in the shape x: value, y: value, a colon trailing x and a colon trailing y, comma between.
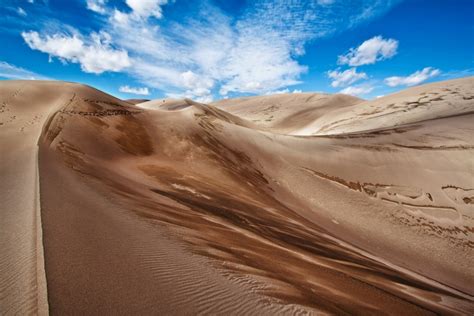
x: 357, y: 90
x: 9, y: 71
x: 132, y: 90
x: 95, y: 55
x: 345, y: 78
x: 370, y: 51
x: 415, y: 78
x: 198, y: 87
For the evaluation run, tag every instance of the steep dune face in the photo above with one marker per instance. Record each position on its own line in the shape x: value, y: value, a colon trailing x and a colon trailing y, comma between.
x: 216, y: 209
x: 100, y: 160
x: 24, y: 108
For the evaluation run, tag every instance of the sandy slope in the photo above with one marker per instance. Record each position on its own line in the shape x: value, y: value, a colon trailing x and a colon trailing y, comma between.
x: 22, y: 279
x: 289, y: 112
x: 276, y: 204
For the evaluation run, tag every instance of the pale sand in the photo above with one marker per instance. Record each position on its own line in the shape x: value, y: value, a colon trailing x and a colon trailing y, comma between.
x: 22, y: 276
x: 185, y: 208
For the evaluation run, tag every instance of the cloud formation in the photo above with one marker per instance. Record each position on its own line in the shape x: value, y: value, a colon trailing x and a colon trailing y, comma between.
x: 95, y: 55
x: 415, y: 78
x: 202, y: 51
x: 344, y: 78
x: 9, y: 71
x: 132, y: 90
x: 370, y: 51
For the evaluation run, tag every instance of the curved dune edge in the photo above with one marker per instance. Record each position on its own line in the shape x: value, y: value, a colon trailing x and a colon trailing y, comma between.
x: 23, y: 285
x: 43, y: 307
x: 119, y: 195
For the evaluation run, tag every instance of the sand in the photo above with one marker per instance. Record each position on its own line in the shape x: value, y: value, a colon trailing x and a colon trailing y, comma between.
x: 284, y: 204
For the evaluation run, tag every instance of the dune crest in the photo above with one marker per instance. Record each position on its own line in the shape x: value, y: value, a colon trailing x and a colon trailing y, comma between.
x: 288, y: 204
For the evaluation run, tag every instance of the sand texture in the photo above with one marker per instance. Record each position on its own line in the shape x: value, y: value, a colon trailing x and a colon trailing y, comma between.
x: 284, y: 204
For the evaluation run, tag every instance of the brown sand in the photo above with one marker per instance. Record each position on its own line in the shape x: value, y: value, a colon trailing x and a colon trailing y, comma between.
x: 303, y: 203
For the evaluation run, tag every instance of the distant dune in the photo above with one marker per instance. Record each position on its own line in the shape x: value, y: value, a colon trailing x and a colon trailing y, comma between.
x: 283, y: 204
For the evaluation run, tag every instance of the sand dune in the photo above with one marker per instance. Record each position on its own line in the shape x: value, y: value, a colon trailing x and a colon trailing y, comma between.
x: 285, y: 204
x: 288, y: 112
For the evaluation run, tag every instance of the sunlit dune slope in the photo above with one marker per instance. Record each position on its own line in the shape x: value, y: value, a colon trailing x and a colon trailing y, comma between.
x: 288, y: 112
x: 290, y: 206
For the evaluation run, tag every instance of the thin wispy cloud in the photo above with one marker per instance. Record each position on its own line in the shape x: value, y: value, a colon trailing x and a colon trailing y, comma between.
x: 415, y: 78
x: 9, y: 71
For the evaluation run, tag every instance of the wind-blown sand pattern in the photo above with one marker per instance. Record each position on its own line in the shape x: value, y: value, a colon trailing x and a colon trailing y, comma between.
x: 285, y: 204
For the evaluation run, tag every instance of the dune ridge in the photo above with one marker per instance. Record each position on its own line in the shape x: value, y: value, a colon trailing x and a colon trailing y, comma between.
x: 22, y: 276
x: 288, y: 204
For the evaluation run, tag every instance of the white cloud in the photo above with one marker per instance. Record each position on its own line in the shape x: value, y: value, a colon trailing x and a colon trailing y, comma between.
x: 357, y: 90
x: 9, y: 71
x: 370, y: 51
x: 94, y: 55
x: 146, y: 8
x: 345, y: 78
x: 96, y: 5
x: 193, y: 81
x: 120, y: 18
x: 141, y: 10
x: 198, y: 87
x: 21, y: 12
x: 413, y: 79
x: 132, y: 90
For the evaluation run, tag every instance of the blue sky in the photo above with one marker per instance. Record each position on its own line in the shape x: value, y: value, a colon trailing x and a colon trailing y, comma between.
x: 213, y: 49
